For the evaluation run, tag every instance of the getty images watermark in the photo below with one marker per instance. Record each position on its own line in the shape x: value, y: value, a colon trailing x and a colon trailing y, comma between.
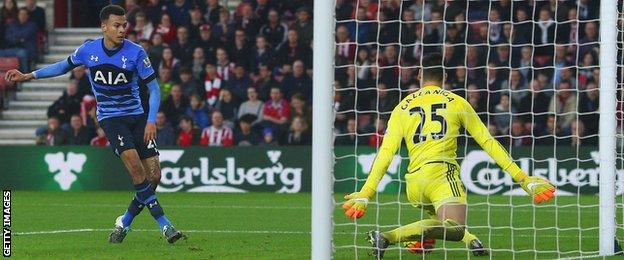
x: 6, y: 223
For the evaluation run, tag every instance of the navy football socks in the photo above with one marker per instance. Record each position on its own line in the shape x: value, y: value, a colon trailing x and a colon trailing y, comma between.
x: 145, y: 196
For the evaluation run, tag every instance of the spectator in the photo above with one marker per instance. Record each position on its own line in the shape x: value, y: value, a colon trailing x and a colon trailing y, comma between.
x: 198, y: 62
x: 268, y: 138
x: 143, y: 27
x: 132, y: 9
x: 175, y: 105
x: 36, y: 15
x: 590, y: 40
x: 224, y: 67
x: 478, y: 103
x: 550, y: 132
x: 292, y: 50
x: 52, y: 135
x: 208, y: 42
x: 248, y: 22
x: 179, y: 11
x: 166, y: 28
x: 245, y: 136
x: 260, y: 54
x: 100, y: 139
x: 213, y: 9
x: 578, y: 136
x: 212, y: 85
x: 157, y: 48
x: 224, y: 30
x: 84, y: 86
x: 218, y: 134
x: 239, y: 83
x: 563, y: 104
x: 153, y: 10
x: 183, y: 47
x: 518, y: 135
x: 304, y: 26
x: 522, y: 28
x: 8, y: 12
x: 198, y: 111
x: 349, y: 136
x: 274, y: 31
x: 164, y: 131
x: 66, y: 105
x: 376, y: 138
x: 169, y: 61
x: 345, y: 47
x: 276, y: 111
x: 518, y: 88
x: 502, y: 113
x: 253, y: 106
x: 165, y: 82
x: 298, y: 82
x: 298, y: 134
x: 265, y: 82
x: 188, y: 134
x: 21, y: 34
x: 387, y: 99
x: 544, y: 33
x: 188, y: 83
x: 240, y: 51
x: 587, y: 10
x: 196, y: 21
x: 300, y: 109
x: 78, y: 134
x: 227, y: 106
x: 589, y: 107
x: 535, y: 104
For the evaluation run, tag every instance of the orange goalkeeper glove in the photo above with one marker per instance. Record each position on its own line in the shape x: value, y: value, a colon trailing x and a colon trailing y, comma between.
x: 355, y: 206
x: 539, y: 188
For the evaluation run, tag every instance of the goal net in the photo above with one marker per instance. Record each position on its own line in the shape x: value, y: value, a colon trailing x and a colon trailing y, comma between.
x: 529, y: 68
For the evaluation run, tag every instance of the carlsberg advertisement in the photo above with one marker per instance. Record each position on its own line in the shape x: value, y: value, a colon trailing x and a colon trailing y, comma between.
x: 195, y: 169
x: 572, y: 170
x: 284, y: 169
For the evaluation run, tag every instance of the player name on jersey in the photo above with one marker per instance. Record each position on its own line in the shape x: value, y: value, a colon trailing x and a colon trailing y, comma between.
x: 410, y: 98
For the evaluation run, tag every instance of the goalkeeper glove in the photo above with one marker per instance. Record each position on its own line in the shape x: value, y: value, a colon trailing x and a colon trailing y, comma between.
x: 540, y: 189
x: 355, y: 206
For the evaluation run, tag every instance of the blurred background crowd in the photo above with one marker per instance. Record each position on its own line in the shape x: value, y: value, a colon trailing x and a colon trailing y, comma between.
x: 529, y: 68
x: 243, y: 75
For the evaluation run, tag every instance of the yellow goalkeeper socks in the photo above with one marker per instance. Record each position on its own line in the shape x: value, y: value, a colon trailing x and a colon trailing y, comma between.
x: 468, y: 237
x: 427, y: 228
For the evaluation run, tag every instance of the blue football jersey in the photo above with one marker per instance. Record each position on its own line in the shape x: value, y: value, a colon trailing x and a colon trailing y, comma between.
x: 115, y: 76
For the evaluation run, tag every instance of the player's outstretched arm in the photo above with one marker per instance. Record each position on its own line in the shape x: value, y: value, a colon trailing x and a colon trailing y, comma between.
x: 356, y: 202
x: 51, y: 70
x: 538, y: 188
x: 154, y: 103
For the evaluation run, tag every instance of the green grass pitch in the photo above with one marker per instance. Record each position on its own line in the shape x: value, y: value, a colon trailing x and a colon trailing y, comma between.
x: 277, y: 226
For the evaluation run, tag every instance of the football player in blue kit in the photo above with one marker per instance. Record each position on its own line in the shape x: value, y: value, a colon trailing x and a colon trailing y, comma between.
x: 116, y: 68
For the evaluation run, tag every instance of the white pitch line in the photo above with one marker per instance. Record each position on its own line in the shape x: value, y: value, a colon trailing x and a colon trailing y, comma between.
x: 497, y: 208
x: 284, y: 232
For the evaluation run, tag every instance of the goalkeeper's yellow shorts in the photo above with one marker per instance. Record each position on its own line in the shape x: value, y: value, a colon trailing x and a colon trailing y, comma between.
x: 434, y: 184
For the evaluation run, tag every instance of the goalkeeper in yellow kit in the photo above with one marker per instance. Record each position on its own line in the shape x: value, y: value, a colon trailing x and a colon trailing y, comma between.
x: 429, y: 120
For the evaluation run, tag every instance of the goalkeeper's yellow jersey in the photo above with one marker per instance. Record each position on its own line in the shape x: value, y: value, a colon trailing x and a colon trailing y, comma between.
x: 430, y: 120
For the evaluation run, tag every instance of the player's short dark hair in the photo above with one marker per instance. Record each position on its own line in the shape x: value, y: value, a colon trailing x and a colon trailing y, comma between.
x: 432, y: 68
x: 109, y: 10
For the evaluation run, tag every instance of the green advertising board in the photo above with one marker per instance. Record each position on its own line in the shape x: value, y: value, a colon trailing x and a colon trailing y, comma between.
x: 283, y: 169
x: 572, y: 170
x: 196, y: 169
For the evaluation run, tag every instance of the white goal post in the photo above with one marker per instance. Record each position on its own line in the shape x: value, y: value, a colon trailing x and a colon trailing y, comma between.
x: 607, y: 126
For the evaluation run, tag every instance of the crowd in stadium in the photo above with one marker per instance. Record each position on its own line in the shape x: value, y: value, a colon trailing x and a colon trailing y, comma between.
x: 243, y: 76
x: 529, y: 68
